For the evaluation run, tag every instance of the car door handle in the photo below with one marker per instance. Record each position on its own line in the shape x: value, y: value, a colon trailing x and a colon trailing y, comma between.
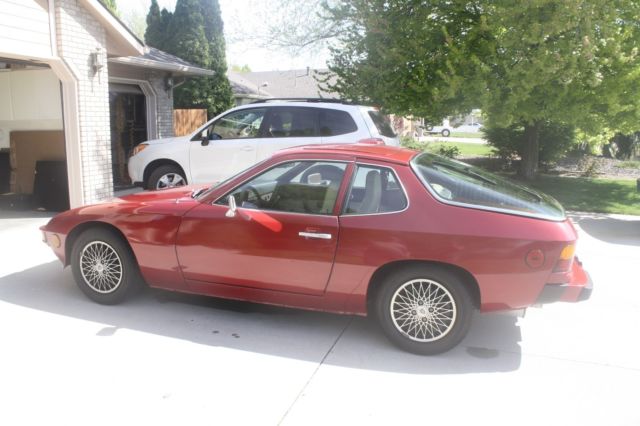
x: 247, y: 148
x: 315, y: 235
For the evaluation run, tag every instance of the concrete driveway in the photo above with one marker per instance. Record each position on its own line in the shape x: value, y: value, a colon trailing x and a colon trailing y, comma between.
x: 183, y: 360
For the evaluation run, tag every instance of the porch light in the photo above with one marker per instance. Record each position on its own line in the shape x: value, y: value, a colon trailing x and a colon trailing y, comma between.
x: 96, y: 60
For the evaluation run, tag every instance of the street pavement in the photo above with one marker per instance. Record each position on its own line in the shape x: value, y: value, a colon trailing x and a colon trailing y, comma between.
x: 165, y: 359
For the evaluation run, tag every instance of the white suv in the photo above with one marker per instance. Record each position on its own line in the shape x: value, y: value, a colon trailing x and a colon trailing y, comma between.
x: 244, y: 135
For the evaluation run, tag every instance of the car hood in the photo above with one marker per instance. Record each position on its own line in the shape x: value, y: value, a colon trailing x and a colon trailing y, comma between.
x: 166, y: 140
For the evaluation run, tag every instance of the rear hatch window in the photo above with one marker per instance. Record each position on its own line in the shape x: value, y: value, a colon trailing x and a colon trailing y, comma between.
x: 458, y: 183
x: 382, y: 123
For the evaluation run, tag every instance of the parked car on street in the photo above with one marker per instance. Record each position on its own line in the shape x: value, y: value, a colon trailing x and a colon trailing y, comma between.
x: 417, y: 240
x: 244, y: 135
x: 445, y: 130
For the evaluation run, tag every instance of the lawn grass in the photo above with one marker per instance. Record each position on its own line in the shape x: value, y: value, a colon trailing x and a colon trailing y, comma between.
x: 466, y: 149
x: 473, y: 135
x: 591, y: 195
x: 629, y: 165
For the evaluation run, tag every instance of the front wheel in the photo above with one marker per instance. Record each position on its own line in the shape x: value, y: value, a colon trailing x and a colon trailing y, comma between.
x: 166, y: 177
x: 103, y: 266
x: 424, y: 310
x: 446, y: 133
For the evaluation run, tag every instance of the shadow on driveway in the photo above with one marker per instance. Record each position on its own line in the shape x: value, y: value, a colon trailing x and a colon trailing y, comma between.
x: 609, y: 229
x: 355, y: 342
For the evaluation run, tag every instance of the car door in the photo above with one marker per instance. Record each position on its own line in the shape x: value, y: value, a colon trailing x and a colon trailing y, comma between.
x: 286, y: 127
x: 227, y: 146
x: 283, y: 236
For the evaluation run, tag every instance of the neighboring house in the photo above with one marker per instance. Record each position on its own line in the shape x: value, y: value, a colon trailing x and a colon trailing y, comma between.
x: 76, y: 85
x: 246, y: 91
x: 287, y: 84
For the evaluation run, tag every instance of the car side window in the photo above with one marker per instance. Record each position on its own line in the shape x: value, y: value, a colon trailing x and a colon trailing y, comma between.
x: 336, y: 122
x: 374, y: 190
x: 237, y: 125
x: 296, y: 187
x: 291, y: 122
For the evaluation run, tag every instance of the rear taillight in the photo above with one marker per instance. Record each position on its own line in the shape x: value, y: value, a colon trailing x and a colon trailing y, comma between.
x: 566, y: 259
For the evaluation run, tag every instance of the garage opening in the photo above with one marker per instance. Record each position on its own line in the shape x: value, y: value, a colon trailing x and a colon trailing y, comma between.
x: 128, y: 118
x: 33, y: 168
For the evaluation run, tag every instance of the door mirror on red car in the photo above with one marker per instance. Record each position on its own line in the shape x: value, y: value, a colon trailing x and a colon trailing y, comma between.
x: 232, y: 207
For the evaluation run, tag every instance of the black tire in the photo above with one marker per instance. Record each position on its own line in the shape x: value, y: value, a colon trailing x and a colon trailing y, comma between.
x: 110, y: 252
x: 158, y: 178
x: 446, y: 133
x: 441, y: 326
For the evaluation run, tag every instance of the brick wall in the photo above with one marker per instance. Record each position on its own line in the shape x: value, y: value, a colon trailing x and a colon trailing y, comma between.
x: 164, y: 104
x: 79, y: 35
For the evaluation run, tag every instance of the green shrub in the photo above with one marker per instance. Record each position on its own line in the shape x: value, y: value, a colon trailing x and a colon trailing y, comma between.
x: 448, y: 151
x: 555, y: 140
x: 411, y: 143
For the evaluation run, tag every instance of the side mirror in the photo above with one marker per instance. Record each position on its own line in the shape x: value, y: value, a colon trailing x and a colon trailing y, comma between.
x: 232, y: 207
x: 204, y: 140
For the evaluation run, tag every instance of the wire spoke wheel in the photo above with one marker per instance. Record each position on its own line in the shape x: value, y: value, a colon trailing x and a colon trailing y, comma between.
x: 423, y: 310
x: 170, y: 180
x: 101, y: 267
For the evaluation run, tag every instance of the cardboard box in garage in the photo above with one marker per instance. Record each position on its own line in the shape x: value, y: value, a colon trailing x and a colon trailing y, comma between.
x: 26, y: 148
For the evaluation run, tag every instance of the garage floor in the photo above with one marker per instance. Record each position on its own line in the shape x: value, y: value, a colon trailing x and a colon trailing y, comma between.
x: 168, y: 359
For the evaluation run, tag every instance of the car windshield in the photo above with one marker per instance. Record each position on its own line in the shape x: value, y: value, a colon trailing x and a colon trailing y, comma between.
x: 201, y: 194
x: 458, y: 183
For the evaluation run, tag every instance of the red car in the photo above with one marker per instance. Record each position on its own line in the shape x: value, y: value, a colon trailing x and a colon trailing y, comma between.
x: 415, y: 239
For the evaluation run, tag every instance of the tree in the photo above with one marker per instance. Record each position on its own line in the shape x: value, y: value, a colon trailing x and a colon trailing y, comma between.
x: 573, y: 62
x: 220, y: 95
x: 111, y: 5
x: 154, y: 34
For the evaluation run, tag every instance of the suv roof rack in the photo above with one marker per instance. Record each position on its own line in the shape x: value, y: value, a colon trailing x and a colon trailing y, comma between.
x: 327, y: 100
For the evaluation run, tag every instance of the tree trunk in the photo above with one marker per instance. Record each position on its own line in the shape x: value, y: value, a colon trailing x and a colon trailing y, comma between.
x: 530, y: 153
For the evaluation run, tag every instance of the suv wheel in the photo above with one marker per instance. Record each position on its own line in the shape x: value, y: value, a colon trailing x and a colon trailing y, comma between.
x: 166, y: 177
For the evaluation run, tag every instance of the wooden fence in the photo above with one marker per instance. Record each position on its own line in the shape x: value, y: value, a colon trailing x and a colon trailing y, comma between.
x: 185, y: 121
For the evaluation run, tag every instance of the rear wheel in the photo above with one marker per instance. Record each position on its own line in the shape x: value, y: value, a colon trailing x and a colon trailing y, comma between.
x: 424, y: 310
x: 167, y: 176
x: 446, y: 133
x: 103, y: 266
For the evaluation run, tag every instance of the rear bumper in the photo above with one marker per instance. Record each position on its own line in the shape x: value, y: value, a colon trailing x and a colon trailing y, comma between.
x: 577, y: 290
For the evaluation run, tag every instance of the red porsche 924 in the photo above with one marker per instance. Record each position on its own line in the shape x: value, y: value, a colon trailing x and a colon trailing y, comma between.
x: 418, y: 240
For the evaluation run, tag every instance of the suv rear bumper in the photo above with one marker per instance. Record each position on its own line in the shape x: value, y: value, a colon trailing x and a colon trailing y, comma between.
x: 577, y: 290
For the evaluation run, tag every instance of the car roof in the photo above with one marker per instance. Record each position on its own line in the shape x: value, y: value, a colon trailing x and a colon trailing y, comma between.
x: 360, y: 150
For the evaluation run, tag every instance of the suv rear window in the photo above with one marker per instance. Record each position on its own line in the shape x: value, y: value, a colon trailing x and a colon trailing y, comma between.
x: 457, y: 183
x: 382, y: 124
x: 335, y: 122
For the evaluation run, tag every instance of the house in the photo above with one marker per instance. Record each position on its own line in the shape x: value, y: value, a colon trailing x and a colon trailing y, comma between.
x: 280, y: 84
x: 77, y: 87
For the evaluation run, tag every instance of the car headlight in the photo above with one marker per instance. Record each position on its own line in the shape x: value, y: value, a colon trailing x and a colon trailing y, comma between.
x: 139, y: 148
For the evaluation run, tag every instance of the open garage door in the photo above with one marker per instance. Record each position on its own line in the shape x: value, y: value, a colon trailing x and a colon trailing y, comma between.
x: 33, y: 164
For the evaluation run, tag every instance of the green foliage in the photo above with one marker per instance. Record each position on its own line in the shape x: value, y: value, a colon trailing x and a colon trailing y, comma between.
x: 448, y: 151
x: 157, y: 25
x: 574, y: 62
x: 240, y: 68
x: 194, y: 32
x: 111, y: 5
x: 508, y: 142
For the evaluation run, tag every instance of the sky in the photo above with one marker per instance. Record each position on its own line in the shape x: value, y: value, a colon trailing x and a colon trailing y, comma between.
x: 239, y: 22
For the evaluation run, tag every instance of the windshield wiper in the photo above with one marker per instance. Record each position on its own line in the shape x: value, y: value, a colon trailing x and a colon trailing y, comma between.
x: 196, y: 192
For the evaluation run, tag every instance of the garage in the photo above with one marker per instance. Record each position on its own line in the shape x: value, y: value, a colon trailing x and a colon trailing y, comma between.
x: 33, y: 172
